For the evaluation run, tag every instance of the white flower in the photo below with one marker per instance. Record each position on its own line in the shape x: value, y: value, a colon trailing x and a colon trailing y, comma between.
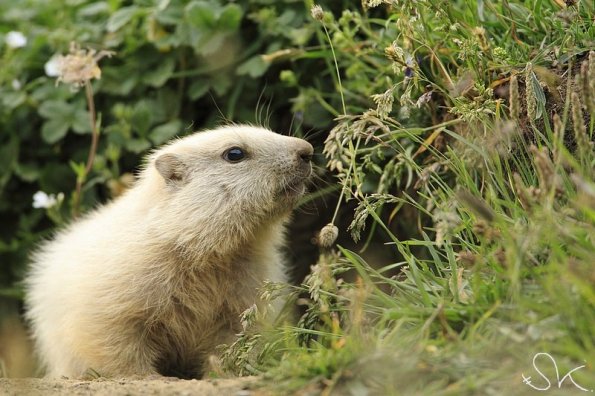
x: 16, y: 84
x: 15, y: 39
x: 53, y: 66
x: 43, y: 200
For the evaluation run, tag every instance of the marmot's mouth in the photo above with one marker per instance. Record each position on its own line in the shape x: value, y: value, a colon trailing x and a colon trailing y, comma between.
x: 294, y: 188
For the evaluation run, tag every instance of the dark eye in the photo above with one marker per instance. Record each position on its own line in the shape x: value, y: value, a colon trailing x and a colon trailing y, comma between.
x: 234, y: 154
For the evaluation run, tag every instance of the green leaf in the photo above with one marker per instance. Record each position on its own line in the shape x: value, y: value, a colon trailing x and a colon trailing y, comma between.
x: 27, y: 172
x: 137, y: 145
x: 198, y: 89
x: 78, y: 168
x: 121, y: 18
x: 480, y: 7
x: 172, y: 15
x: 254, y: 67
x: 56, y: 109
x: 210, y: 43
x: 141, y: 118
x: 120, y: 80
x: 12, y: 100
x: 166, y: 131
x: 8, y: 159
x: 221, y: 84
x: 53, y: 130
x: 201, y: 15
x: 159, y: 75
x: 230, y: 18
x: 93, y: 9
x: 81, y: 122
x: 539, y: 95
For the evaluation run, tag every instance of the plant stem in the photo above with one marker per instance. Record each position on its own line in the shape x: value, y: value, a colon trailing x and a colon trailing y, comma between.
x: 92, y: 150
x: 340, y: 86
x: 328, y: 37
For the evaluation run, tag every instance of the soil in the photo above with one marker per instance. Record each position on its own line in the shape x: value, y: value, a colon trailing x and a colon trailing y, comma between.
x: 246, y: 386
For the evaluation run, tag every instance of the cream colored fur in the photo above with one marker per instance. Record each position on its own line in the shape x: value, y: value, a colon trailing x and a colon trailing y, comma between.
x: 152, y: 282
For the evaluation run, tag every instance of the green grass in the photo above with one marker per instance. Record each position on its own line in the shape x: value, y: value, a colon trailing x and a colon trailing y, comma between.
x: 496, y: 262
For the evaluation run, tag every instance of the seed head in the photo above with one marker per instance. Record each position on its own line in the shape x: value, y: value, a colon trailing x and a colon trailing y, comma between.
x: 578, y: 122
x: 328, y: 235
x: 559, y: 136
x: 530, y: 94
x: 384, y: 103
x: 522, y: 194
x: 585, y: 87
x: 317, y: 12
x: 545, y: 168
x: 467, y: 259
x: 80, y: 65
x: 480, y: 34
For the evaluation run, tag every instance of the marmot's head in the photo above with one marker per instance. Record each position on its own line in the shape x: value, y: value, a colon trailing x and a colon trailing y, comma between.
x: 236, y: 175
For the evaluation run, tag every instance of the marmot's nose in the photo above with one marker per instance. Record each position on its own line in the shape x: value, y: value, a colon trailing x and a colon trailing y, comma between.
x: 305, y: 152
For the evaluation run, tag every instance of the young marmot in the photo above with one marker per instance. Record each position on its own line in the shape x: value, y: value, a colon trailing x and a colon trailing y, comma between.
x: 152, y: 282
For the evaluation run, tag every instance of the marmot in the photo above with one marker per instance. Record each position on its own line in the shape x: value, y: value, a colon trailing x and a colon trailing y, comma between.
x: 152, y: 282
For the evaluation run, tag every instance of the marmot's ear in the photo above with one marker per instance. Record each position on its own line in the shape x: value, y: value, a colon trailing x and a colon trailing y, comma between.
x: 171, y: 168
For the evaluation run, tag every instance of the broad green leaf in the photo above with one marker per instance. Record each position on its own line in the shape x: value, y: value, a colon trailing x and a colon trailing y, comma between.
x: 56, y: 176
x: 81, y: 123
x: 254, y: 67
x: 27, y: 172
x: 210, y: 43
x: 121, y: 18
x: 201, y: 15
x: 93, y: 9
x: 53, y: 130
x: 198, y: 89
x: 230, y: 18
x: 172, y: 15
x: 12, y: 100
x: 142, y: 117
x: 8, y: 158
x: 221, y: 84
x: 164, y: 132
x: 137, y: 145
x: 56, y: 109
x: 159, y: 75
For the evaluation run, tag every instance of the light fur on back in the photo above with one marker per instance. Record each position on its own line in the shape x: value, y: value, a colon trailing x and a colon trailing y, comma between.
x: 152, y: 282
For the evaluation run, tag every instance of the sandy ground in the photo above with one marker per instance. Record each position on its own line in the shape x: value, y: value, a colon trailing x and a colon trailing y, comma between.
x: 16, y: 363
x: 246, y: 386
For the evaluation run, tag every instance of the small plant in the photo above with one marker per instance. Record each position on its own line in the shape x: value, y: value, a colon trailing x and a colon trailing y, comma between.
x: 78, y: 68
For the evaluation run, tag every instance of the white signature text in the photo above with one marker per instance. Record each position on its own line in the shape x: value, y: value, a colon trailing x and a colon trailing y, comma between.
x: 546, y: 358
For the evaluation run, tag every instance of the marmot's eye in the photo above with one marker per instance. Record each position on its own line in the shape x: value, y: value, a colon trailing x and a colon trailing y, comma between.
x: 234, y: 154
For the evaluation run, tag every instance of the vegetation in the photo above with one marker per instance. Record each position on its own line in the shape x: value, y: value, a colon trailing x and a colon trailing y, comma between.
x: 462, y: 130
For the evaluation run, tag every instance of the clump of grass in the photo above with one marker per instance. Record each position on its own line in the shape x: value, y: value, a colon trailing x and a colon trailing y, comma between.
x: 495, y: 264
